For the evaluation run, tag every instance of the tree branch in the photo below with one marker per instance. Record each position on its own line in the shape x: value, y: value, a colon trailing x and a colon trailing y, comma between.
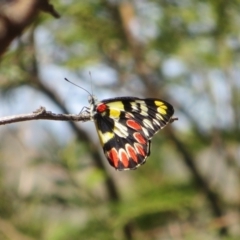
x: 41, y: 113
x: 15, y: 16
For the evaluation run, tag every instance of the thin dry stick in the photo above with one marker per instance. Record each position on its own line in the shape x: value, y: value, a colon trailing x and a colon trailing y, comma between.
x: 42, y: 114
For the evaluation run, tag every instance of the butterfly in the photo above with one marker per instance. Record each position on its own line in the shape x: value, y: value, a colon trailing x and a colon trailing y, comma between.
x: 126, y: 125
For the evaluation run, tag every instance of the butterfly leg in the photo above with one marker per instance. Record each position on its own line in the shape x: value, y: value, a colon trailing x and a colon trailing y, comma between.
x: 84, y: 110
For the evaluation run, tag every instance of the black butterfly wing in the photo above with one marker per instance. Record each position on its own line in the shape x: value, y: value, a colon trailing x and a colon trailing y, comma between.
x: 125, y: 127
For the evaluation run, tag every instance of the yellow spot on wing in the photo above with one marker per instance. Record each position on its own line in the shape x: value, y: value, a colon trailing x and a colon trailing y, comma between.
x: 105, y: 137
x: 114, y: 113
x: 117, y: 105
x: 158, y: 103
x: 161, y: 110
x: 161, y: 107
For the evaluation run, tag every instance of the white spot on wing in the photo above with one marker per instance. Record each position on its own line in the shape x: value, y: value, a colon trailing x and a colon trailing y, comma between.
x: 156, y: 122
x: 120, y: 129
x: 158, y: 116
x: 134, y: 106
x: 147, y: 123
x: 143, y: 107
x: 145, y: 131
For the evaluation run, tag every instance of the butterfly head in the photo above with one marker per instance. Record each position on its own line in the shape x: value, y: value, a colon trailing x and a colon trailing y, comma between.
x: 92, y: 100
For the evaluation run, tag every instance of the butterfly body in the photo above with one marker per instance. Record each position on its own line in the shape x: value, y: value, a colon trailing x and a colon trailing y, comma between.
x: 125, y: 126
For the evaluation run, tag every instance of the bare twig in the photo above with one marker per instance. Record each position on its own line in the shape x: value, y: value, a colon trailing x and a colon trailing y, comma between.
x: 41, y: 113
x: 173, y: 119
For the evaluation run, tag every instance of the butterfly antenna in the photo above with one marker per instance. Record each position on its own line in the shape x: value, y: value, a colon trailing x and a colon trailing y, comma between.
x: 91, y: 82
x: 78, y: 86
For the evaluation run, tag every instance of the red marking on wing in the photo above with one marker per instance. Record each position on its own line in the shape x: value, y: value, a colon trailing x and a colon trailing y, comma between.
x: 133, y: 124
x: 101, y: 107
x: 124, y: 157
x: 113, y: 156
x: 132, y: 153
x: 140, y: 149
x: 138, y: 136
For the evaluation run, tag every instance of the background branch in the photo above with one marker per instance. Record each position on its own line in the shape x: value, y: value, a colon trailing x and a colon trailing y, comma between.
x: 16, y: 15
